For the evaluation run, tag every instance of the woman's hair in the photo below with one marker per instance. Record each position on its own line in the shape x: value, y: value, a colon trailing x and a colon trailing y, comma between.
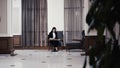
x: 53, y: 29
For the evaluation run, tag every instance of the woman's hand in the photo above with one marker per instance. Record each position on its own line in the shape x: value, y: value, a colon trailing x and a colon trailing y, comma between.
x: 50, y: 38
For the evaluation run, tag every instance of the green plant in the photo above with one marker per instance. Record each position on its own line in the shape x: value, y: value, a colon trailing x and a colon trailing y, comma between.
x: 104, y: 14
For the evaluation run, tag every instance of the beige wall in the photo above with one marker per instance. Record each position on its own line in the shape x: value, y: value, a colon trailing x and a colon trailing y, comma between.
x: 3, y: 17
x: 11, y: 16
x: 16, y: 17
x: 56, y: 14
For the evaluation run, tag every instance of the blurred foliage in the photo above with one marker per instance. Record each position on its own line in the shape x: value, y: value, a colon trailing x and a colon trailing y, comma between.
x: 104, y: 14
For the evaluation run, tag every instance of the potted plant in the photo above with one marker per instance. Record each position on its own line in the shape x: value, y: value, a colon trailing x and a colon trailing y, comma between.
x: 104, y: 14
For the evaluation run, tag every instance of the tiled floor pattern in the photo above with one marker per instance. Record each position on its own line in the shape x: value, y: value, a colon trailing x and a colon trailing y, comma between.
x: 42, y: 59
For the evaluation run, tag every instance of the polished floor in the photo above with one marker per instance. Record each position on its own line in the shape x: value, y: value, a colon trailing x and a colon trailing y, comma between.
x: 42, y: 59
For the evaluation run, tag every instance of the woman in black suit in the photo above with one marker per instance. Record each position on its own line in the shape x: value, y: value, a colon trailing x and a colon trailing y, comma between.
x: 53, y: 38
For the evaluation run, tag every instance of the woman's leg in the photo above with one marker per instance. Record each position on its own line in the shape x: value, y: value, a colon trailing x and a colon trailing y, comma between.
x: 56, y: 45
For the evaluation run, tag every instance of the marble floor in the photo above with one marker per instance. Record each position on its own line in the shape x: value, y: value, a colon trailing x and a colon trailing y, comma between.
x: 42, y: 59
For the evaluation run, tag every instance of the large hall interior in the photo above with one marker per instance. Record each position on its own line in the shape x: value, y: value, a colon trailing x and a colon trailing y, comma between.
x: 86, y: 35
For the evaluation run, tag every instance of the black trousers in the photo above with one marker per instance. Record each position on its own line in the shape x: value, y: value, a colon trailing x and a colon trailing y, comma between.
x: 54, y: 43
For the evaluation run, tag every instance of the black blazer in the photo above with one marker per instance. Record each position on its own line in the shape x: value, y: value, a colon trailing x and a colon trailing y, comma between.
x: 51, y: 35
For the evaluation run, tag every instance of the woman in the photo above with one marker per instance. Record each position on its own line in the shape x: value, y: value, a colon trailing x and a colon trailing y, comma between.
x: 53, y: 39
